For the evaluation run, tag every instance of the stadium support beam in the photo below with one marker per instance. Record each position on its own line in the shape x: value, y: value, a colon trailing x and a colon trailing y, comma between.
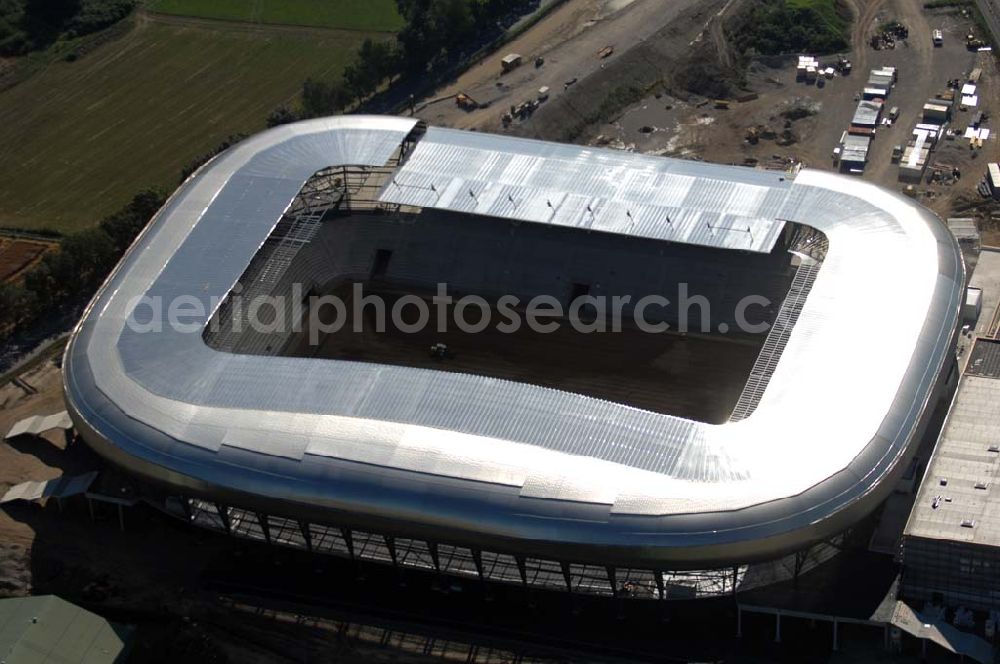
x: 306, y: 535
x: 349, y: 541
x: 567, y: 576
x: 658, y: 577
x: 613, y: 580
x: 477, y: 560
x: 522, y: 569
x: 223, y: 511
x: 390, y: 543
x: 264, y: 526
x: 432, y: 548
x: 800, y: 560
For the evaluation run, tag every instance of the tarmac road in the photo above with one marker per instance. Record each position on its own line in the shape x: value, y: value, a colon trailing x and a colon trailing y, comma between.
x: 569, y: 39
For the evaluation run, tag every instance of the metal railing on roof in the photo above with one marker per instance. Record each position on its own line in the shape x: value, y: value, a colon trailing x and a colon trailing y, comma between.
x: 777, y: 339
x: 345, y: 190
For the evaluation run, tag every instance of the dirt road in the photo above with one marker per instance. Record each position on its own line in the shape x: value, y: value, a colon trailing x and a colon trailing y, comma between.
x: 569, y: 40
x: 923, y: 71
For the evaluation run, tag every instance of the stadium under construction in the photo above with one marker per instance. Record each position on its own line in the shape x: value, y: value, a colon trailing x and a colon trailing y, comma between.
x: 624, y: 463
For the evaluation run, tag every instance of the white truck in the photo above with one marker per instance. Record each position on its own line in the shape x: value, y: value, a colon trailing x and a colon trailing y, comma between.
x: 510, y: 62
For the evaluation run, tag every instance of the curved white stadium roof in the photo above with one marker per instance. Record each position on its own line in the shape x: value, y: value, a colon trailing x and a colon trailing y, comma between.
x: 473, y: 459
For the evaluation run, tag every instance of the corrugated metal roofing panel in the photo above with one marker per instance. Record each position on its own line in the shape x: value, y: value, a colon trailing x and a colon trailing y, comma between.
x: 867, y: 114
x: 48, y: 630
x: 585, y: 188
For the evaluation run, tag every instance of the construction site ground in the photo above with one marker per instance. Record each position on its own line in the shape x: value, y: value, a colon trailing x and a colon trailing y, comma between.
x: 672, y: 121
x: 570, y: 40
x: 18, y: 255
x: 694, y: 128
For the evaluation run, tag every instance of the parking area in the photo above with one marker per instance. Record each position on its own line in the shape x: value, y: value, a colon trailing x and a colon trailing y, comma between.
x: 782, y: 119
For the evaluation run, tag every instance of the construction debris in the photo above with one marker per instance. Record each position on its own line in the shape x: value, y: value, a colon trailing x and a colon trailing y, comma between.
x: 889, y: 35
x: 466, y: 102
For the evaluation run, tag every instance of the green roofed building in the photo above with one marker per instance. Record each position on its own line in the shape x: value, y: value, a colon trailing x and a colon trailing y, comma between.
x: 37, y: 630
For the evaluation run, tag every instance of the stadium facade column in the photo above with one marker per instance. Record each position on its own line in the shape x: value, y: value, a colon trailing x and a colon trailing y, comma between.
x: 306, y: 535
x: 348, y: 542
x: 567, y: 577
x: 264, y: 526
x: 186, y: 507
x: 522, y: 569
x: 390, y: 543
x: 477, y: 560
x: 223, y: 511
x: 432, y: 548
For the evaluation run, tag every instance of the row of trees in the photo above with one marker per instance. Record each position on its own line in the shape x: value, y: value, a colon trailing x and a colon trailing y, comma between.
x: 773, y: 27
x: 79, y: 267
x: 375, y: 62
x: 29, y: 25
x: 435, y: 33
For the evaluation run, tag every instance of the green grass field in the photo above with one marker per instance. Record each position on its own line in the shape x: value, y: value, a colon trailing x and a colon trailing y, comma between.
x: 370, y: 15
x: 77, y: 140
